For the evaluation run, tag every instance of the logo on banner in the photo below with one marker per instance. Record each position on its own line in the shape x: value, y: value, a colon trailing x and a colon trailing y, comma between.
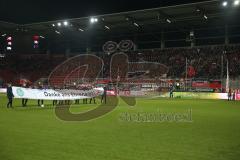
x: 20, y: 92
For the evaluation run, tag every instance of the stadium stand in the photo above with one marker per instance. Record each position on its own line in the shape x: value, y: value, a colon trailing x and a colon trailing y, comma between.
x: 194, y: 41
x: 203, y: 62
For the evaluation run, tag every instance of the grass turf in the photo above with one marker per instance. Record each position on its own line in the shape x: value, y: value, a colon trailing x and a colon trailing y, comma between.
x: 36, y: 134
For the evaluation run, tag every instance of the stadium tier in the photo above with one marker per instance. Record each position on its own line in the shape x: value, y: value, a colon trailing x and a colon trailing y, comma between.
x: 207, y: 62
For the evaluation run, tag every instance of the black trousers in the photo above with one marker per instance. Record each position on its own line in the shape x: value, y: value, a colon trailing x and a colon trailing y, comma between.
x: 55, y: 102
x: 77, y: 101
x: 94, y: 100
x: 24, y: 102
x: 84, y: 101
x: 104, y: 98
x: 39, y: 102
x: 61, y: 102
x: 10, y: 100
x: 67, y: 102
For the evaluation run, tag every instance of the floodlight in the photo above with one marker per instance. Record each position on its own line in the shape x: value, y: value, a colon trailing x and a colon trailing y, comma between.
x: 80, y: 29
x: 93, y: 20
x: 57, y: 32
x: 107, y: 27
x: 205, y: 16
x: 236, y: 2
x: 135, y: 24
x: 225, y: 3
x: 169, y: 21
x: 65, y: 23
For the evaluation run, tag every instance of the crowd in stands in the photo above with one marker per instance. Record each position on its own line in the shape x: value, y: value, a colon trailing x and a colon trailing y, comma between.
x: 205, y: 62
x: 13, y: 68
x: 199, y: 62
x: 209, y: 62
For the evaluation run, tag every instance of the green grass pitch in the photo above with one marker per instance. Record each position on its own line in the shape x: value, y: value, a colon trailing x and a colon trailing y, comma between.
x: 36, y: 134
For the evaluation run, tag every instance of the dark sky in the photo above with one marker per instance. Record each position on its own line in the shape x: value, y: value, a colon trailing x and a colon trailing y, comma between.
x: 29, y: 11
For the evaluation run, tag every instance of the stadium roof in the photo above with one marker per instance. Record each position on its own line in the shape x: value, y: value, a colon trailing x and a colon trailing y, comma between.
x: 151, y: 22
x: 188, y: 15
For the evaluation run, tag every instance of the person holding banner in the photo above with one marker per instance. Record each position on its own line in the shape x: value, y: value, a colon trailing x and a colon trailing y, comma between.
x: 40, y: 87
x: 24, y: 101
x: 55, y: 102
x: 93, y: 99
x: 40, y: 104
x: 77, y: 101
x: 10, y: 96
x: 85, y: 101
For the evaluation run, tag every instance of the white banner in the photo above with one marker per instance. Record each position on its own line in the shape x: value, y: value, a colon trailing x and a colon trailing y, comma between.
x: 3, y: 90
x: 49, y: 94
